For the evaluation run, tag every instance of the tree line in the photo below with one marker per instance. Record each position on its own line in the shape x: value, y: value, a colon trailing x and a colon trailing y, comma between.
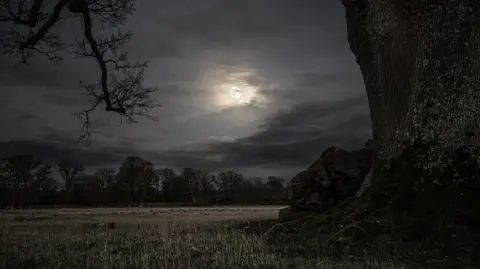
x: 27, y: 181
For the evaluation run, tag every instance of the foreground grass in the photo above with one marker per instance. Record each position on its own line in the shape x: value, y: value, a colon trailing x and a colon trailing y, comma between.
x: 201, y: 242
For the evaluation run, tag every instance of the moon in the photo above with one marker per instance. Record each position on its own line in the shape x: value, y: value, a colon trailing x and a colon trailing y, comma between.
x: 235, y: 92
x: 231, y: 89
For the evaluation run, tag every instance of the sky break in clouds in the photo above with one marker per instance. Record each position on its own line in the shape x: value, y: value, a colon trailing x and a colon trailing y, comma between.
x: 299, y: 91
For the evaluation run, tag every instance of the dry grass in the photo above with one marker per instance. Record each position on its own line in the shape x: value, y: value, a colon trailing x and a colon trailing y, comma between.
x: 144, y: 215
x: 161, y: 238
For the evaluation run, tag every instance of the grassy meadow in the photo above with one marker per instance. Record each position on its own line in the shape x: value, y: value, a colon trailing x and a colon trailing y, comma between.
x: 161, y: 238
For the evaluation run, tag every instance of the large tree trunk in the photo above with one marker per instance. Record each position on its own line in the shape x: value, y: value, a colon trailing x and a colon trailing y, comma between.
x: 420, y: 63
x: 420, y: 60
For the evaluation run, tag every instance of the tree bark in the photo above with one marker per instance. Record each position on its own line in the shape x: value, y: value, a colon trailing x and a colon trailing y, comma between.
x: 420, y: 63
x: 420, y: 60
x: 367, y: 182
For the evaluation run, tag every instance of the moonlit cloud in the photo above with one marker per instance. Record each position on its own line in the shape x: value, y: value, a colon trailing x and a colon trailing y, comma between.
x: 223, y: 82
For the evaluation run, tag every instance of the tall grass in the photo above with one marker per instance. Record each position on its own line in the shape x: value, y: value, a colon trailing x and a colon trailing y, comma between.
x: 75, y: 243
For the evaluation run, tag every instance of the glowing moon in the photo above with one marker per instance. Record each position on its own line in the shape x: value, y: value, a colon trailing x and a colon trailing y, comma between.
x: 232, y: 89
x: 235, y: 92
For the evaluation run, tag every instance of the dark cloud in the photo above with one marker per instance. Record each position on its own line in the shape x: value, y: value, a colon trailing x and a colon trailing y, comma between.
x: 221, y: 22
x: 65, y: 100
x: 52, y: 152
x: 231, y: 22
x: 255, y: 80
x: 43, y: 73
x: 292, y: 138
x: 29, y: 117
x: 174, y: 90
x: 339, y: 83
x: 298, y: 136
x: 312, y: 113
x: 53, y: 148
x: 316, y: 79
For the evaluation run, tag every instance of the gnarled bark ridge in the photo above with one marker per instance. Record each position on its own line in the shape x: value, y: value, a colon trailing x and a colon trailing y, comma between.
x: 420, y: 63
x: 420, y: 60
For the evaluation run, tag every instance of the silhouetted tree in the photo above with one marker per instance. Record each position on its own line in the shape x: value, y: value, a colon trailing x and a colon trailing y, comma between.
x: 229, y: 185
x: 188, y: 174
x: 275, y: 183
x: 106, y: 175
x: 165, y: 177
x: 227, y: 181
x: 20, y: 172
x: 137, y: 174
x: 42, y: 186
x: 199, y: 182
x: 179, y: 189
x: 43, y: 173
x: 275, y: 190
x: 30, y: 31
x: 89, y: 189
x: 69, y: 169
x: 206, y: 181
x: 48, y: 189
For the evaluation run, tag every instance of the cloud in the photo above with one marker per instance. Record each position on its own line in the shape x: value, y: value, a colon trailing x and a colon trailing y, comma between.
x: 298, y: 136
x: 227, y: 139
x: 65, y: 100
x: 53, y: 152
x: 42, y: 73
x: 29, y: 117
x: 309, y: 79
x: 292, y: 138
x: 214, y: 21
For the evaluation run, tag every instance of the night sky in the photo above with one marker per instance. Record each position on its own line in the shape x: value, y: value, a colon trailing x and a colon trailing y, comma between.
x: 259, y: 86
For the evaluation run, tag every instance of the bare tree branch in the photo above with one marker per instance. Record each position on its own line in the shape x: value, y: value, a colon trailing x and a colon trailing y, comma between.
x: 40, y: 34
x: 120, y: 86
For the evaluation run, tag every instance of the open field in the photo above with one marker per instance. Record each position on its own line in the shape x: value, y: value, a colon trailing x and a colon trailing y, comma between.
x: 162, y: 238
x: 144, y: 215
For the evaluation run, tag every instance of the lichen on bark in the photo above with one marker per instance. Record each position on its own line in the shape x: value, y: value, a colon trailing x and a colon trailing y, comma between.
x: 421, y: 66
x: 438, y: 203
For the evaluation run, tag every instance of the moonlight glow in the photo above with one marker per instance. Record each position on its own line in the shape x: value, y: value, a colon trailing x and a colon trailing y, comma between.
x: 235, y: 92
x: 232, y: 89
